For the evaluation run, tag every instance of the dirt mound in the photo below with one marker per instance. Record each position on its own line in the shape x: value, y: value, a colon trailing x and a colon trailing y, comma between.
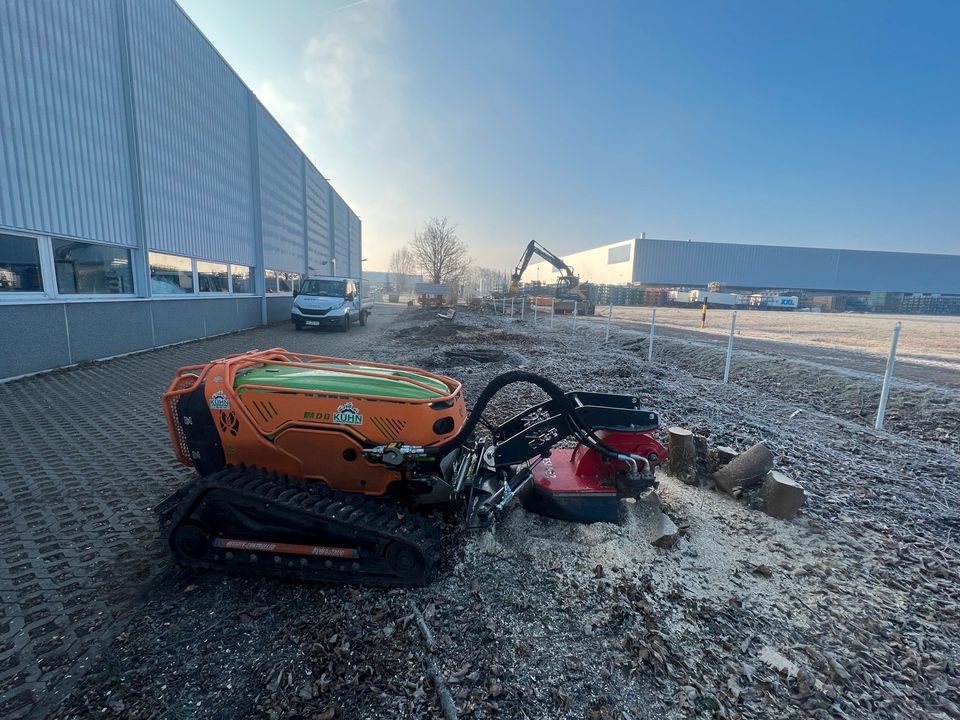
x: 472, y: 355
x: 434, y: 331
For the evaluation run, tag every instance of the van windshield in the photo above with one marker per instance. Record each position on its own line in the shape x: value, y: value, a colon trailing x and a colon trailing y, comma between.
x: 324, y: 288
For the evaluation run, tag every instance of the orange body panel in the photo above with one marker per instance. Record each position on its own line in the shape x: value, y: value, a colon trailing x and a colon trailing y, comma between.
x: 293, y: 430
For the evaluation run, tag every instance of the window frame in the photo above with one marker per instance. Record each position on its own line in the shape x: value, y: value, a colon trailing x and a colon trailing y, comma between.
x: 211, y: 293
x: 294, y: 282
x: 193, y: 294
x: 131, y: 253
x: 251, y: 280
x: 139, y: 263
x: 276, y: 282
x: 44, y: 260
x: 48, y: 272
x: 196, y: 293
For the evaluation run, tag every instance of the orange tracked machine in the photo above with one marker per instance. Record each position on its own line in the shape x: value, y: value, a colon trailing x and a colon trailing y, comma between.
x: 324, y: 468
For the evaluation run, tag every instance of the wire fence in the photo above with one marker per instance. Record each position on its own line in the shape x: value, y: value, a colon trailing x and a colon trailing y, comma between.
x: 605, y: 319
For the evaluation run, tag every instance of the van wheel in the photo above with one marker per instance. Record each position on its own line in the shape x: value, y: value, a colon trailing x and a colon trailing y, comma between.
x: 345, y: 323
x: 363, y: 318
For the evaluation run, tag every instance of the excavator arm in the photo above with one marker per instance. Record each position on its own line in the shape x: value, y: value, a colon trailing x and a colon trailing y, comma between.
x: 535, y: 248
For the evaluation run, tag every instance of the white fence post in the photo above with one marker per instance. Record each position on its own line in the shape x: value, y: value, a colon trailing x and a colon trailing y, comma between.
x: 887, y: 377
x: 653, y: 325
x: 523, y: 305
x: 575, y: 315
x: 726, y: 366
x: 511, y: 306
x: 536, y: 309
x: 553, y: 311
x: 609, y: 319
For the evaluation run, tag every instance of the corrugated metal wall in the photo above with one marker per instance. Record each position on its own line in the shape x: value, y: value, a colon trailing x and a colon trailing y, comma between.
x: 64, y: 152
x: 903, y: 272
x: 318, y: 221
x: 670, y: 262
x: 118, y: 115
x: 194, y: 138
x: 281, y: 196
x: 355, y: 244
x: 340, y: 233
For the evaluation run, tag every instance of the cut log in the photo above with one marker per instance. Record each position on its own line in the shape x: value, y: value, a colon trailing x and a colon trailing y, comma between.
x: 782, y: 496
x: 717, y: 458
x: 725, y: 454
x: 746, y: 470
x: 682, y: 455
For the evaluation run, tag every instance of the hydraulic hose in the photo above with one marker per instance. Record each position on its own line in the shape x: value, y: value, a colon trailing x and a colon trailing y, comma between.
x: 582, y: 433
x: 493, y: 387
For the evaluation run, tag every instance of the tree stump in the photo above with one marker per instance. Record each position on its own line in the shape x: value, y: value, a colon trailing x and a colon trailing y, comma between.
x: 682, y: 455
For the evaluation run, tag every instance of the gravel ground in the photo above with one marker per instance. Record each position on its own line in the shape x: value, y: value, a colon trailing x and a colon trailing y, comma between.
x: 851, y: 610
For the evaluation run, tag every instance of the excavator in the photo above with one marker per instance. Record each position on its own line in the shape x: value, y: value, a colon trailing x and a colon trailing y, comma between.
x: 327, y: 469
x: 568, y: 290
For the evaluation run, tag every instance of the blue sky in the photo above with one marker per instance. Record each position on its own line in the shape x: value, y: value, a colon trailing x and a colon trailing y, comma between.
x: 829, y: 124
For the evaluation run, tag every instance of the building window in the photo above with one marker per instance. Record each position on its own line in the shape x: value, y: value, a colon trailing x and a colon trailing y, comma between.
x: 270, y: 280
x: 170, y: 274
x: 89, y: 269
x: 288, y: 282
x: 212, y: 277
x: 19, y: 265
x: 241, y: 279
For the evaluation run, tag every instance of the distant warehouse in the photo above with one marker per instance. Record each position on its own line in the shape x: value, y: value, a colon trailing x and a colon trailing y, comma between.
x: 820, y: 277
x: 146, y: 196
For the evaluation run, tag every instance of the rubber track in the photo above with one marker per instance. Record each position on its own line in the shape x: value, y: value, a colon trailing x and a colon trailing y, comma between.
x: 351, y: 511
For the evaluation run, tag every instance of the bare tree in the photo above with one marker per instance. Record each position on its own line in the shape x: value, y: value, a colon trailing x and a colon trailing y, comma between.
x: 439, y: 253
x: 402, y: 265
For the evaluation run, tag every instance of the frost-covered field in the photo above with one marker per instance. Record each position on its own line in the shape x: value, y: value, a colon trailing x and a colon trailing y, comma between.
x: 923, y: 336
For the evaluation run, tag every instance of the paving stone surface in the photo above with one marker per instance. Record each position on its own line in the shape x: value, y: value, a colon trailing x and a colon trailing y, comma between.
x: 84, y: 457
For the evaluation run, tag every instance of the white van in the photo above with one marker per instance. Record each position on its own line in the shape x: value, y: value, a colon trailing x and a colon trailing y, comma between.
x: 330, y: 301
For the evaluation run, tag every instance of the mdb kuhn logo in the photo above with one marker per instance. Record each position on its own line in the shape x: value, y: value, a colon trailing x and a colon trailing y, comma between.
x: 347, y: 414
x: 219, y: 401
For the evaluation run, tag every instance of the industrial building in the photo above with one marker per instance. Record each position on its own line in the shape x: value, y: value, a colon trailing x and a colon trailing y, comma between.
x: 831, y: 279
x: 146, y: 196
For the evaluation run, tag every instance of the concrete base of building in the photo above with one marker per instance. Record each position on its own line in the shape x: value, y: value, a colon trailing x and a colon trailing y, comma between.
x: 43, y: 336
x: 278, y: 308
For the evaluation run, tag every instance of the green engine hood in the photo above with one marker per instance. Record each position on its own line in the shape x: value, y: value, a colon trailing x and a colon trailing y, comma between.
x: 379, y: 382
